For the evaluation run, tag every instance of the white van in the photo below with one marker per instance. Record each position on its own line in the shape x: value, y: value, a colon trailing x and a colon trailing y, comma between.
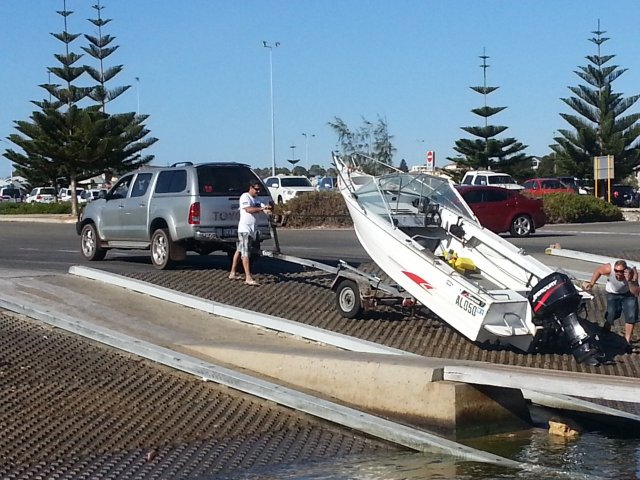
x: 10, y: 194
x: 41, y: 195
x: 64, y: 194
x: 494, y: 179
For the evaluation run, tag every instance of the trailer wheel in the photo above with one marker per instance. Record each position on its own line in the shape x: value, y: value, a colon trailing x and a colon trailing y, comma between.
x: 348, y: 299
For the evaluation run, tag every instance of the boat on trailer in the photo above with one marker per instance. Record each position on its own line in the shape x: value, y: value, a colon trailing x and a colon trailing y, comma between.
x: 422, y: 234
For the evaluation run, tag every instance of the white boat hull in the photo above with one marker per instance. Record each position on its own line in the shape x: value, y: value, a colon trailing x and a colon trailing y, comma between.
x: 436, y: 285
x: 488, y: 304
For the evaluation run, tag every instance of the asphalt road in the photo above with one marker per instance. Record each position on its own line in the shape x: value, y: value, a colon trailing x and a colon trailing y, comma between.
x: 41, y: 248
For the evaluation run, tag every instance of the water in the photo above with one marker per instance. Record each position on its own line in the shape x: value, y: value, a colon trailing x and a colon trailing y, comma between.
x: 591, y: 455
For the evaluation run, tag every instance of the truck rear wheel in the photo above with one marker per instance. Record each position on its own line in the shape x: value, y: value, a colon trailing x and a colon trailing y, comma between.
x: 348, y: 299
x: 161, y: 246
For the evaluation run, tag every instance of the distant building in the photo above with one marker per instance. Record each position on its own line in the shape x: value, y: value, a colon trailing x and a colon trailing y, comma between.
x: 100, y: 182
x: 421, y: 169
x: 438, y: 172
x: 16, y: 181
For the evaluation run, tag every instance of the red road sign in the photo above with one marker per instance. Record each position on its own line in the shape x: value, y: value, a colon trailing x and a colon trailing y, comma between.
x: 431, y: 158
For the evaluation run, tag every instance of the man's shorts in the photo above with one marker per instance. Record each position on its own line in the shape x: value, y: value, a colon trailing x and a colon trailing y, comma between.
x: 244, y: 244
x: 618, y: 303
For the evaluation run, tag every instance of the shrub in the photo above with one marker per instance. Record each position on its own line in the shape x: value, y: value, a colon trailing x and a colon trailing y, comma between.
x: 10, y: 208
x: 316, y: 209
x: 327, y: 209
x: 571, y: 208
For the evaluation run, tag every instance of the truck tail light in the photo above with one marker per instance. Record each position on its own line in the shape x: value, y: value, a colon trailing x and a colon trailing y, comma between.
x: 194, y: 214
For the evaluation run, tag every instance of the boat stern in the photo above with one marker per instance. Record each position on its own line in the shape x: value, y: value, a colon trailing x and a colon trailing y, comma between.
x: 508, y: 321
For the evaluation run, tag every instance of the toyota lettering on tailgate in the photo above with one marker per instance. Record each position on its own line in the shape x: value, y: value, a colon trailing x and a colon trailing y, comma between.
x: 223, y: 216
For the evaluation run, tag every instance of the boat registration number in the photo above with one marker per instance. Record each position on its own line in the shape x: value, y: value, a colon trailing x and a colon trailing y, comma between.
x: 468, y: 306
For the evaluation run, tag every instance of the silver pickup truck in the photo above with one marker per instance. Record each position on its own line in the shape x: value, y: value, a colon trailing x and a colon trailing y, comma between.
x: 170, y: 211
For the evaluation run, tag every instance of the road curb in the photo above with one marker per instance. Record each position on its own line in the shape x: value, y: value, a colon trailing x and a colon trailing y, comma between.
x: 40, y: 218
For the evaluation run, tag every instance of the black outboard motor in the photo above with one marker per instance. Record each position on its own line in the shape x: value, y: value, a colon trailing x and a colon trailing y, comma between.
x: 556, y: 299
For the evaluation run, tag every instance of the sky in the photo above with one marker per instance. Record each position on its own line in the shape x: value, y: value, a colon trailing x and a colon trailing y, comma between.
x: 199, y: 69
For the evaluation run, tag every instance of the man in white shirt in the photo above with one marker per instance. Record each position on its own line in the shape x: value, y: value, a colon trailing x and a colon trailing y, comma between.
x: 250, y: 207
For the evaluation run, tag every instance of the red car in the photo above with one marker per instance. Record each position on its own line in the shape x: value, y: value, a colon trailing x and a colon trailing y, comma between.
x: 545, y: 186
x: 501, y: 210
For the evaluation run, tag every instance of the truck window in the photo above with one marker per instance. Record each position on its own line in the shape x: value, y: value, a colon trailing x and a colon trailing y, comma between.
x: 141, y: 185
x: 121, y: 189
x: 171, y: 181
x: 224, y: 180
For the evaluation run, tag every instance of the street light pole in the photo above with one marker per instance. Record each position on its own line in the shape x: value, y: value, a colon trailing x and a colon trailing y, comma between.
x: 138, y: 95
x: 273, y: 130
x: 306, y: 148
x: 293, y: 160
x: 555, y: 158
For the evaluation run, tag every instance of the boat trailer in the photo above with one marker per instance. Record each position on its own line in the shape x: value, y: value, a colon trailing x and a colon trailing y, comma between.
x: 554, y: 301
x: 356, y: 291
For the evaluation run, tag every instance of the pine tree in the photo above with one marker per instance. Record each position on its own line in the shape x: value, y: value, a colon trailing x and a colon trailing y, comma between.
x: 124, y: 151
x: 99, y: 49
x: 47, y: 139
x: 599, y: 128
x: 63, y: 140
x: 486, y: 151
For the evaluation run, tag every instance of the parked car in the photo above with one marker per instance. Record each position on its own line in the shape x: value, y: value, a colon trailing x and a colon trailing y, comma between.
x: 487, y: 177
x: 624, y: 196
x: 10, y: 194
x: 41, y: 195
x: 546, y: 186
x: 327, y: 184
x: 92, y: 194
x: 64, y: 194
x: 171, y: 210
x: 575, y: 183
x: 285, y: 187
x: 503, y: 210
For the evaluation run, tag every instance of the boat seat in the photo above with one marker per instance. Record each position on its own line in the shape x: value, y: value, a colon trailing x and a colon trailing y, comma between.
x: 430, y: 243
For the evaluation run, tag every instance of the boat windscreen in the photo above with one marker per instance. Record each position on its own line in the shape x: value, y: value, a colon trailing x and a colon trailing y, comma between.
x: 438, y: 191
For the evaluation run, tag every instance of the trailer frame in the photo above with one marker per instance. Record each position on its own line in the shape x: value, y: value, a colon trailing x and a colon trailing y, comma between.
x: 355, y: 289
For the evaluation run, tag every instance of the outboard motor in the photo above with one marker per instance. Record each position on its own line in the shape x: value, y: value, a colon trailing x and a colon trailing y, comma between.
x: 556, y: 299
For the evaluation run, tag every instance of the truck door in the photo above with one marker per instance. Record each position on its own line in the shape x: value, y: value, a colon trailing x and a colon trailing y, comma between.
x: 135, y: 209
x: 111, y: 213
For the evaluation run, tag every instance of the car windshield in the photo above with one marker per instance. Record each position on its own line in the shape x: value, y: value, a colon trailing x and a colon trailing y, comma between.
x: 327, y: 182
x: 391, y: 194
x: 11, y: 192
x: 47, y: 191
x: 295, y: 182
x: 500, y: 179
